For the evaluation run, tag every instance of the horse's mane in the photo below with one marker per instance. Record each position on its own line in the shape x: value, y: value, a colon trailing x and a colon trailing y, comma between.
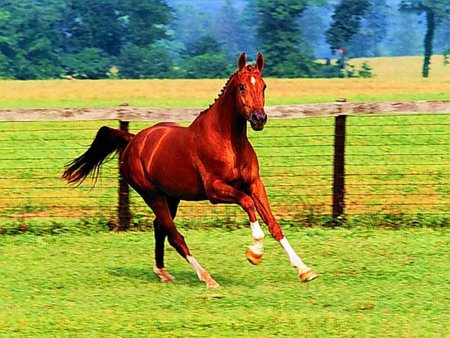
x: 232, y: 76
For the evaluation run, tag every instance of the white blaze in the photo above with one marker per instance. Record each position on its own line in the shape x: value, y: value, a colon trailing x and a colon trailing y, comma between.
x: 253, y: 80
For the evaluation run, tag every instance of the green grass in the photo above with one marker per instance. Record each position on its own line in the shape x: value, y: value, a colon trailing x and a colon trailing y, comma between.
x: 373, y: 283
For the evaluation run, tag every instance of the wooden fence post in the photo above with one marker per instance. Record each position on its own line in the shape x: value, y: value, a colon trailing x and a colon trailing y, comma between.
x: 339, y: 167
x: 124, y: 193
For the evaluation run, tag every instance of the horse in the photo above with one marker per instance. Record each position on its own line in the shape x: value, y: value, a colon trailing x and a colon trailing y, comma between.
x: 211, y: 159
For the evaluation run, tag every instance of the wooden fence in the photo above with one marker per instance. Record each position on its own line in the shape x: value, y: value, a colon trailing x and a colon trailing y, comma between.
x: 339, y: 110
x: 127, y: 113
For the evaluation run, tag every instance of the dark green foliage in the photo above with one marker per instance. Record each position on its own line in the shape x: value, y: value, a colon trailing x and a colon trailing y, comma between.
x: 90, y: 63
x: 86, y: 39
x: 248, y: 21
x: 365, y: 71
x: 446, y: 53
x: 28, y: 39
x: 145, y: 21
x: 428, y: 42
x: 206, y: 66
x: 204, y: 59
x: 279, y: 35
x: 346, y: 23
x: 206, y: 44
x: 93, y: 24
x: 144, y: 62
x: 51, y: 39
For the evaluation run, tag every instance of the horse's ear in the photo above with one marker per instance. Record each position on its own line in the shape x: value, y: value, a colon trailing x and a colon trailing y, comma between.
x: 260, y: 62
x: 242, y: 61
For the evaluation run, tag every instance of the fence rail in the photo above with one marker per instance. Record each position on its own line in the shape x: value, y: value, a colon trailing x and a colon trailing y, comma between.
x: 353, y: 159
x: 127, y: 113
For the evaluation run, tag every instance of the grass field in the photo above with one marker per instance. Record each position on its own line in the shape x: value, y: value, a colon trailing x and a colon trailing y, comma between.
x: 374, y: 283
x: 396, y: 79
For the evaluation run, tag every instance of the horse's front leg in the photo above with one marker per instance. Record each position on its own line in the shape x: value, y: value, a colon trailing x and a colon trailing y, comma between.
x: 259, y: 197
x: 219, y: 191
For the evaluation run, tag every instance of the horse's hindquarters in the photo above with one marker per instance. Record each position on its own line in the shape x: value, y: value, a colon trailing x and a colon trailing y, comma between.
x: 164, y: 155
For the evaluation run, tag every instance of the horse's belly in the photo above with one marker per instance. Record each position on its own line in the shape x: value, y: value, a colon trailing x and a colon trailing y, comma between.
x: 180, y: 183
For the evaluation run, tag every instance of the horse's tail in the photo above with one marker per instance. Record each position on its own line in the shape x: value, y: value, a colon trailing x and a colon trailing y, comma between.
x: 107, y: 142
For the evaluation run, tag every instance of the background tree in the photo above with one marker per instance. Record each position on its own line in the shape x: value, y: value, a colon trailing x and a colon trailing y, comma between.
x: 279, y: 38
x: 190, y: 22
x: 29, y: 40
x: 145, y: 21
x: 313, y: 23
x: 346, y: 23
x: 204, y: 59
x: 368, y: 40
x: 148, y: 62
x: 227, y: 29
x: 152, y: 38
x: 248, y: 21
x: 90, y: 63
x: 93, y: 24
x: 434, y: 10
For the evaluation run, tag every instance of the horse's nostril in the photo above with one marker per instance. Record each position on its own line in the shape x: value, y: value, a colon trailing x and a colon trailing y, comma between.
x: 254, y: 118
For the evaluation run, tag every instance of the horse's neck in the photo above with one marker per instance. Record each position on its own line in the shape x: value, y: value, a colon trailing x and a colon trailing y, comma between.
x: 223, y: 118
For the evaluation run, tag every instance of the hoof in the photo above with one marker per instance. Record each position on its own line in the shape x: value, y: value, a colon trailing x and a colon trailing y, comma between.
x: 212, y: 284
x: 308, y: 276
x: 163, y: 275
x: 254, y: 258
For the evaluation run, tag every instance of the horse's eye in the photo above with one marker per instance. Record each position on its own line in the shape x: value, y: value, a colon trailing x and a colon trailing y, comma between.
x: 241, y: 87
x: 264, y: 88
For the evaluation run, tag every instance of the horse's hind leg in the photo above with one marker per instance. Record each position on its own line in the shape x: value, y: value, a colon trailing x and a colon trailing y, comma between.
x: 160, y: 207
x: 160, y: 236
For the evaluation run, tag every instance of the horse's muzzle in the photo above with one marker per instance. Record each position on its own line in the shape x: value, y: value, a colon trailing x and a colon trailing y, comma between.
x: 258, y: 120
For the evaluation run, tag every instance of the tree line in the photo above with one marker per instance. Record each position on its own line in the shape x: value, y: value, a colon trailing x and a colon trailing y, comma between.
x: 42, y: 39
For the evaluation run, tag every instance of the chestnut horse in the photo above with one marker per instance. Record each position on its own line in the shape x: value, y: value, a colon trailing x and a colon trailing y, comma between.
x: 212, y: 159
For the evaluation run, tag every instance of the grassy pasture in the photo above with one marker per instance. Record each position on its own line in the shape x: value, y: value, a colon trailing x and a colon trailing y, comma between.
x: 397, y: 79
x: 374, y: 283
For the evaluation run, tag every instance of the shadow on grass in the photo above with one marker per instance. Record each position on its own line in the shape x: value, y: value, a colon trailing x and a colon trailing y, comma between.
x: 182, y: 277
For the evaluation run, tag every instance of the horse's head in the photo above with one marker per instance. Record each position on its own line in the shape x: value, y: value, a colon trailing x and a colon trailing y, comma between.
x: 250, y: 91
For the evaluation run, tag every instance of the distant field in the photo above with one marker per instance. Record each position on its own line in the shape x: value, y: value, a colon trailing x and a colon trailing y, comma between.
x: 396, y: 79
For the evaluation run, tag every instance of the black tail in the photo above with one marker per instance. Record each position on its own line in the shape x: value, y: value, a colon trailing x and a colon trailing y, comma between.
x: 107, y: 141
